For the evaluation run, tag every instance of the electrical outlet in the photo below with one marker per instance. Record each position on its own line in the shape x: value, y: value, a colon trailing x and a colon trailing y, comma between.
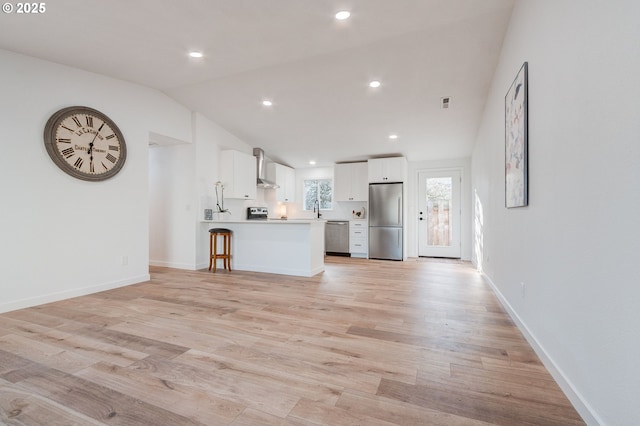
x: 522, y: 288
x: 125, y: 260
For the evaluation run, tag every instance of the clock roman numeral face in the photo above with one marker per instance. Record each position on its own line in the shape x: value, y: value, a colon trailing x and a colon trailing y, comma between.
x: 85, y: 143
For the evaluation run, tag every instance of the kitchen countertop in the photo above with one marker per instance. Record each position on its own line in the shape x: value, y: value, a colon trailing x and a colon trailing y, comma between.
x: 268, y: 221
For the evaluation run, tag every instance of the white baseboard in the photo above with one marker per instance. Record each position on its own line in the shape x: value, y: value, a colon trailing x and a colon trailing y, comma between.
x: 68, y: 294
x: 579, y: 403
x: 203, y: 265
x: 176, y: 265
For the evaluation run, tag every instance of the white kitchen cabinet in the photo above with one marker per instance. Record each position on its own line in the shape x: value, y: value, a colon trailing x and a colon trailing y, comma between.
x: 285, y: 178
x: 385, y: 170
x: 238, y: 174
x: 350, y: 182
x: 359, y: 238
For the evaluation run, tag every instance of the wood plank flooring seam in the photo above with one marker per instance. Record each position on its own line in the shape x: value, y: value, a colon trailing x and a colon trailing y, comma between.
x: 365, y: 342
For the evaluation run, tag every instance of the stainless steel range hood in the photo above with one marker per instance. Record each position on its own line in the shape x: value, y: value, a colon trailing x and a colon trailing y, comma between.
x: 262, y: 181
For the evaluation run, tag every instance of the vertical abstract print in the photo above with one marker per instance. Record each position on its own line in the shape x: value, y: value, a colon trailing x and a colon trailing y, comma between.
x: 515, y: 103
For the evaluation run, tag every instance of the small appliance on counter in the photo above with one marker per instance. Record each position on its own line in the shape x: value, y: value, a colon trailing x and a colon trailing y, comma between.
x: 257, y: 213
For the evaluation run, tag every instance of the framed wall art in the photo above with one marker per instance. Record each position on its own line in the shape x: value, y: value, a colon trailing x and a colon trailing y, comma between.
x: 516, y: 141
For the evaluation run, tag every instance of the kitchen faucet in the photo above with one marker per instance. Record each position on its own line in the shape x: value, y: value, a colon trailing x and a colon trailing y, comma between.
x: 316, y: 205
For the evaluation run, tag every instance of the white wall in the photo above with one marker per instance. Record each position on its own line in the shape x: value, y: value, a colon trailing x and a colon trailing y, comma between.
x: 182, y: 178
x: 62, y: 236
x: 575, y: 246
x: 464, y: 164
x: 209, y: 140
x: 172, y: 207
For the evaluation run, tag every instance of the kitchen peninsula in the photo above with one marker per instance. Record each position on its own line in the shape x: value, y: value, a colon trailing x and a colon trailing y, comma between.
x: 289, y: 247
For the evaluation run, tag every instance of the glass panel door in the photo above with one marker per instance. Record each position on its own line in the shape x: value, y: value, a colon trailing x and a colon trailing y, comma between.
x: 439, y: 213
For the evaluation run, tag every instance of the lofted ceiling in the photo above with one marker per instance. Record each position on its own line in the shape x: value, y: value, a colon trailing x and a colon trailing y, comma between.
x: 313, y: 68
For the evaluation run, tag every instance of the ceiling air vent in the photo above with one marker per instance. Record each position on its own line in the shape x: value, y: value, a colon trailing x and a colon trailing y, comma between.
x: 444, y: 102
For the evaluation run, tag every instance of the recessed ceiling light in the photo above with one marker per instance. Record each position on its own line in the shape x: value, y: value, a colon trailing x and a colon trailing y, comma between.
x: 313, y: 163
x: 342, y: 15
x: 195, y: 54
x: 374, y: 84
x: 393, y: 137
x: 267, y: 103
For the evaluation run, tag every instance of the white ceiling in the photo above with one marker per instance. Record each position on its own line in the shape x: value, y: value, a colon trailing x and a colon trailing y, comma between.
x: 315, y: 69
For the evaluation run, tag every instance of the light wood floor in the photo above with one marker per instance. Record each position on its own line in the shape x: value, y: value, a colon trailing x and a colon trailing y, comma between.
x: 364, y: 343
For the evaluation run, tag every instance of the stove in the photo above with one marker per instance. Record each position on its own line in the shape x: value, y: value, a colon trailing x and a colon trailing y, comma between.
x: 257, y: 213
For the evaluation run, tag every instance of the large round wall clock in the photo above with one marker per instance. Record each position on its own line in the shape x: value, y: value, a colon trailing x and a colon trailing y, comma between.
x: 85, y: 143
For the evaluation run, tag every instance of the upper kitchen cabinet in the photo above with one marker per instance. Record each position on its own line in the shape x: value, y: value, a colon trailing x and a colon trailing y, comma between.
x: 391, y: 169
x: 238, y: 174
x: 285, y: 178
x: 350, y: 182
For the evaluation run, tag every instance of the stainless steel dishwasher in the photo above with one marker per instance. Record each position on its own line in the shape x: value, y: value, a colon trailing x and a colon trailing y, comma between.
x: 337, y: 237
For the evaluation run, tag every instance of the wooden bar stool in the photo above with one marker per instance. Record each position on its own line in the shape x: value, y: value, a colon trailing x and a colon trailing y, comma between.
x: 226, y: 248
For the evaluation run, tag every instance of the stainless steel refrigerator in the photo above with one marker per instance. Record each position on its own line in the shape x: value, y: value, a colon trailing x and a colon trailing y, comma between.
x: 385, y: 221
